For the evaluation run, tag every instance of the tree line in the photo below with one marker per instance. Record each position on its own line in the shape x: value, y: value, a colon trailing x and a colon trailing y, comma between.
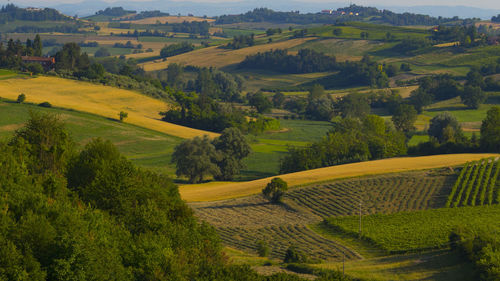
x: 11, y: 12
x: 306, y: 61
x: 386, y: 16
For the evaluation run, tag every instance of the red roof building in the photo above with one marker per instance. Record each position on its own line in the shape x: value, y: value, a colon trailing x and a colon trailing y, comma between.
x: 45, y: 62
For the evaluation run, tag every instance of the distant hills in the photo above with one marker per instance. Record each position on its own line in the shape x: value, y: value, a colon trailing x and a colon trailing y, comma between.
x: 89, y: 7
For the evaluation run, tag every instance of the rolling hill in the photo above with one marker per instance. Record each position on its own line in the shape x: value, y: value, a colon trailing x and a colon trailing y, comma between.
x: 101, y: 100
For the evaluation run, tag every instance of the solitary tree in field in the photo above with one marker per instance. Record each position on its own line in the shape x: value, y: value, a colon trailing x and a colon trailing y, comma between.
x: 275, y: 190
x: 196, y: 159
x: 21, y: 98
x: 490, y: 131
x: 123, y: 115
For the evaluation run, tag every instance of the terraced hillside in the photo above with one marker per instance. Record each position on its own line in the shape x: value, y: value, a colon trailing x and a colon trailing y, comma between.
x: 244, y: 221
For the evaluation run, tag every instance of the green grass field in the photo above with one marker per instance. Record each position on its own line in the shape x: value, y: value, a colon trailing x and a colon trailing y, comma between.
x: 147, y: 148
x: 414, y: 231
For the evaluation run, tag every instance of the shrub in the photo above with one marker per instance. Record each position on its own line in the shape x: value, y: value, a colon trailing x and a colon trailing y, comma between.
x: 45, y: 104
x: 275, y: 190
x: 21, y: 98
x: 262, y: 248
x: 294, y: 255
x: 122, y: 115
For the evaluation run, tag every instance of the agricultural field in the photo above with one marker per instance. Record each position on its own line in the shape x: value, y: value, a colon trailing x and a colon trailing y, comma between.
x: 214, y: 191
x: 441, y: 265
x: 144, y: 147
x: 219, y: 57
x: 420, y: 230
x: 342, y: 49
x: 469, y: 119
x: 96, y: 99
x: 477, y: 184
x: 242, y: 222
x: 169, y: 19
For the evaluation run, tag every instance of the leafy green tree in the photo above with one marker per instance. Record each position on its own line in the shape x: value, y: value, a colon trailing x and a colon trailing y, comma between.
x: 262, y: 248
x: 260, y: 102
x: 316, y: 92
x: 47, y: 142
x: 233, y: 148
x: 473, y: 96
x: 404, y: 117
x: 123, y: 115
x: 35, y: 68
x: 475, y: 79
x: 354, y: 106
x: 70, y: 58
x: 195, y: 159
x: 102, y: 52
x: 37, y: 46
x: 275, y: 190
x: 490, y: 131
x: 294, y: 255
x: 278, y: 99
x: 445, y: 128
x: 420, y: 98
x: 21, y: 98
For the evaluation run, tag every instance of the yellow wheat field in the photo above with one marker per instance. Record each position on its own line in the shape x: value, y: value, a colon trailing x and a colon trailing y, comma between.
x: 219, y: 57
x: 214, y: 191
x: 96, y: 99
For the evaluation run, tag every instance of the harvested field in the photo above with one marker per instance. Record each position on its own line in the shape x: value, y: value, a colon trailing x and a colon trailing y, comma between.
x: 226, y: 190
x: 169, y: 19
x: 279, y: 238
x: 97, y: 99
x: 244, y: 221
x: 219, y: 57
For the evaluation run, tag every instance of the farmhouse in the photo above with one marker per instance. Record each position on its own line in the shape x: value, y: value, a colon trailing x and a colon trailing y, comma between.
x: 47, y: 63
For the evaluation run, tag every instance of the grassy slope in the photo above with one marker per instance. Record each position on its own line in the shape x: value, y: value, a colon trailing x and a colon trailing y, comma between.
x: 101, y: 100
x: 224, y: 190
x: 144, y: 147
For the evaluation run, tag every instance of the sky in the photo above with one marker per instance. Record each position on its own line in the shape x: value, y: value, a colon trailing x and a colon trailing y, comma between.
x: 492, y: 4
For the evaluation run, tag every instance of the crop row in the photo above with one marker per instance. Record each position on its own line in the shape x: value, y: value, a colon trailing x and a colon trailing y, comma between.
x: 418, y: 230
x: 279, y: 238
x: 381, y: 194
x: 477, y: 184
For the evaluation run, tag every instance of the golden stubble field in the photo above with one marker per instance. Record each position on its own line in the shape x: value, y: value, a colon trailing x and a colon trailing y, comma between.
x: 105, y: 101
x: 214, y: 191
x: 169, y: 19
x: 219, y: 57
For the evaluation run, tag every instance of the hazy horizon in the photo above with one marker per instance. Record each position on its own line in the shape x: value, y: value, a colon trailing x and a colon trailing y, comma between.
x: 485, y: 4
